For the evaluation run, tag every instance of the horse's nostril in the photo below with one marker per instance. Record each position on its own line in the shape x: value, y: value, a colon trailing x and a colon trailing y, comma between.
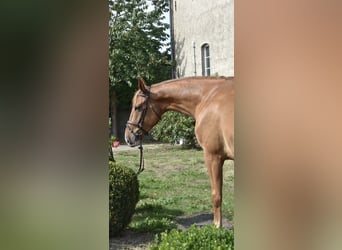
x: 127, y: 140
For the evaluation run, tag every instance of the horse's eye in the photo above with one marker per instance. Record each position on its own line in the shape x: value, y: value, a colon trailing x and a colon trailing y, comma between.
x: 137, y: 108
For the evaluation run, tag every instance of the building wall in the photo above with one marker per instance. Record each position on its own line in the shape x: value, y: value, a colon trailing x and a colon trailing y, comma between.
x: 197, y: 22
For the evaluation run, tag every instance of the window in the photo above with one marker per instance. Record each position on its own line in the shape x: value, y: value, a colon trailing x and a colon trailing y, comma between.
x: 205, y: 60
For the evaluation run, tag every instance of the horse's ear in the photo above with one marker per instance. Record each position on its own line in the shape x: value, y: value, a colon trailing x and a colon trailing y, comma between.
x: 142, y: 85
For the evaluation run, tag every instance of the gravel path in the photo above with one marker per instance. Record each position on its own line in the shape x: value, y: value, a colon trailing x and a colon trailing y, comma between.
x: 124, y: 147
x: 131, y: 240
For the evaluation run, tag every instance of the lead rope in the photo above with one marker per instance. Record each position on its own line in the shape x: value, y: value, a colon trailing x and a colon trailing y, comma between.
x: 142, y: 165
x: 141, y: 121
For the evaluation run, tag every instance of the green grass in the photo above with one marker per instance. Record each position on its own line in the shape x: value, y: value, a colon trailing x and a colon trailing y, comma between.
x: 175, y: 182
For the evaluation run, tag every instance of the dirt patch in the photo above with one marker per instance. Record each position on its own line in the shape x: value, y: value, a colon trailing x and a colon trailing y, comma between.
x: 131, y: 240
x: 202, y: 219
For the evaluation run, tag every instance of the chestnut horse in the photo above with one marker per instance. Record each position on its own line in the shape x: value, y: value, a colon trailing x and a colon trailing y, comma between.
x: 210, y: 101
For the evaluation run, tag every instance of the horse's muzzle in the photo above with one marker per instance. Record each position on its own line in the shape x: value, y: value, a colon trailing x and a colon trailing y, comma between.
x: 132, y: 140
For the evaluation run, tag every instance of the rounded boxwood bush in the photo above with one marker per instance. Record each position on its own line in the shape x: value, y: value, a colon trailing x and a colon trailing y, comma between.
x: 195, y: 238
x: 123, y: 197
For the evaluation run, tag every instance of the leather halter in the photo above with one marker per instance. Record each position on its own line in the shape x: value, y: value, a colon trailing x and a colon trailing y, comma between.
x: 140, y: 123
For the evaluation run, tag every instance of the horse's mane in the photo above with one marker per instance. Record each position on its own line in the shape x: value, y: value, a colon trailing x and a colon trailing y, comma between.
x: 198, y: 77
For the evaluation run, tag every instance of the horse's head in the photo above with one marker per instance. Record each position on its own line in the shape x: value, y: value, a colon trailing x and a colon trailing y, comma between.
x: 144, y: 115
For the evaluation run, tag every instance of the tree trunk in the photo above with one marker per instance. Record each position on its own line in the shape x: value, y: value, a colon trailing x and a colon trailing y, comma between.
x: 113, y: 114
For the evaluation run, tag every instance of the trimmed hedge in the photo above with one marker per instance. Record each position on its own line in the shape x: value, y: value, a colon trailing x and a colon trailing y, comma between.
x: 123, y: 197
x: 195, y: 238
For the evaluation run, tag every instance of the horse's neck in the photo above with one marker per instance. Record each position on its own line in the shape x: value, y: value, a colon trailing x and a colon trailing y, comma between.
x: 180, y: 97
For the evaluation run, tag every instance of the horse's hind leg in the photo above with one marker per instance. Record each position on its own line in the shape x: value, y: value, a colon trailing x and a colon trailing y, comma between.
x: 214, y: 164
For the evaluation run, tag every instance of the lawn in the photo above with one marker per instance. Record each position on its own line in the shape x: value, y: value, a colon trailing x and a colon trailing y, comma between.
x: 175, y: 183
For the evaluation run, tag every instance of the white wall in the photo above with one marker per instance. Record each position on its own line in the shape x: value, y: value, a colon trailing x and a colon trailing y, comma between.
x: 204, y: 21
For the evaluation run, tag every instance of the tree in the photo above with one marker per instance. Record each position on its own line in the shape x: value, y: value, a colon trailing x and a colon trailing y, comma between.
x: 137, y: 35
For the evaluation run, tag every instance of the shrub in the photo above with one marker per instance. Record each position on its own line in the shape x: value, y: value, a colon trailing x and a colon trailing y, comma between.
x: 175, y: 126
x: 196, y: 238
x: 123, y: 197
